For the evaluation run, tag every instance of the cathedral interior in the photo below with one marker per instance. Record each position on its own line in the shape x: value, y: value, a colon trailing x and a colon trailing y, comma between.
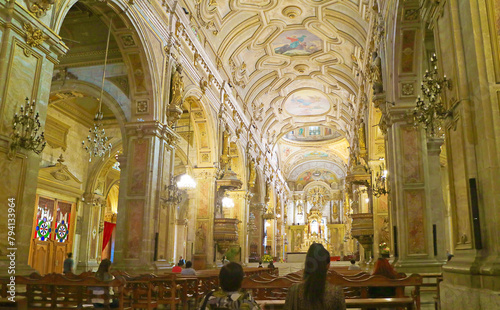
x: 146, y: 130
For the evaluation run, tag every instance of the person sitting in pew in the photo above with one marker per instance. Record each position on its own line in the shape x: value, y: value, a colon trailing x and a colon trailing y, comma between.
x: 315, y: 292
x: 383, y: 268
x: 103, y: 274
x: 188, y: 271
x: 231, y: 296
x: 178, y: 268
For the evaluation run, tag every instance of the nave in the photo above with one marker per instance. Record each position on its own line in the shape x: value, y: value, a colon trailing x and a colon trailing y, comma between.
x: 146, y: 132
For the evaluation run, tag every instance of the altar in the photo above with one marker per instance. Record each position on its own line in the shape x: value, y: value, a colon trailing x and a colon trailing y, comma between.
x: 295, y: 257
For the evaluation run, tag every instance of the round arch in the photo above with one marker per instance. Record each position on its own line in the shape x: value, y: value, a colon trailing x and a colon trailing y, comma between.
x: 124, y: 16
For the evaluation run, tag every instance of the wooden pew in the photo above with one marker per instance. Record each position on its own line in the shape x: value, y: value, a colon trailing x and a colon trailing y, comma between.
x: 54, y: 291
x: 350, y: 303
x: 277, y: 288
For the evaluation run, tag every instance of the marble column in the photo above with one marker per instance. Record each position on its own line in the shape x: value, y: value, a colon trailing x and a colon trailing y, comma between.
x: 203, y: 228
x: 435, y: 197
x: 26, y: 66
x: 147, y: 162
x: 89, y: 250
x: 416, y: 195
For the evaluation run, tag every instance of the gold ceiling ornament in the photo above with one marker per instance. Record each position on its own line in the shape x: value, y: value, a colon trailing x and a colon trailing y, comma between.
x: 34, y: 36
x: 26, y: 130
x: 40, y: 7
x: 430, y: 110
x: 97, y: 144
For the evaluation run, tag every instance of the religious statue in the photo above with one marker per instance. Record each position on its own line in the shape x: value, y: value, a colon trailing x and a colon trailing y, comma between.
x: 376, y: 74
x: 253, y: 174
x: 177, y: 92
x: 300, y: 209
x: 361, y: 135
x: 200, y: 240
x: 177, y: 88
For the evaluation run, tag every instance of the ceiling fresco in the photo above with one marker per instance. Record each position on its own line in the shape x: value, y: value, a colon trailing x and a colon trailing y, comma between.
x: 297, y: 43
x: 311, y: 175
x: 303, y: 103
x: 292, y: 64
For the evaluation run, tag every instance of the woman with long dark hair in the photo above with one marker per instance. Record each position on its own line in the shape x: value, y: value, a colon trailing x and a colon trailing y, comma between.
x: 315, y: 292
x: 383, y: 268
x: 103, y: 274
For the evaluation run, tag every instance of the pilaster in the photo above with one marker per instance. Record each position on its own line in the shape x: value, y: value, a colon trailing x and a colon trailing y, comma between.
x: 26, y: 66
x: 141, y: 182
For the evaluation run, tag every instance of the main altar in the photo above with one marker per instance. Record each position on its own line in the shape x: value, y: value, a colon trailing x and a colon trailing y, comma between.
x: 322, y: 224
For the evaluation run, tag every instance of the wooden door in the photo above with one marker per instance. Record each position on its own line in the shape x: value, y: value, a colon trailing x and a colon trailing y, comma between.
x: 51, y: 235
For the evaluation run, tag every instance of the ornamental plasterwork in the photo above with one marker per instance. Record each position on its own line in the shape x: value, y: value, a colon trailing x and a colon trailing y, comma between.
x: 34, y: 36
x: 273, y: 52
x: 40, y: 7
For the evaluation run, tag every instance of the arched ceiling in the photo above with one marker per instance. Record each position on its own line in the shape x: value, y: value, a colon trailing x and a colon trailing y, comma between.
x: 292, y: 64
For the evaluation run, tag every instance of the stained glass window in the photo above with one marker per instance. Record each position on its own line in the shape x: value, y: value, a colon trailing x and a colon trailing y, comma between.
x: 62, y: 221
x: 44, y: 219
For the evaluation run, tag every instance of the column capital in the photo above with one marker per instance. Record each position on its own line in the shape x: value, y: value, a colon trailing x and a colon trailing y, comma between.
x: 434, y: 146
x: 152, y: 129
x: 205, y: 173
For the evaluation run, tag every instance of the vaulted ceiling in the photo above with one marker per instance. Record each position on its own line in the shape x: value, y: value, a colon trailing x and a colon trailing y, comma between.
x: 293, y: 64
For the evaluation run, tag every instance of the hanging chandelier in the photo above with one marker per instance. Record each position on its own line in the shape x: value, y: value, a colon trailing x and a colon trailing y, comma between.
x: 97, y: 144
x: 26, y: 128
x: 186, y: 181
x: 227, y: 202
x: 380, y: 187
x: 430, y: 110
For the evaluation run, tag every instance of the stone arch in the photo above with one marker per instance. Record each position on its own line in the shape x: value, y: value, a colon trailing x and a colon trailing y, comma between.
x: 203, y: 129
x: 139, y: 58
x: 94, y: 91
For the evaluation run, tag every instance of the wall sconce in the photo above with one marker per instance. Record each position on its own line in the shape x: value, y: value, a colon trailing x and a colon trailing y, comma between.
x: 429, y: 110
x: 26, y: 128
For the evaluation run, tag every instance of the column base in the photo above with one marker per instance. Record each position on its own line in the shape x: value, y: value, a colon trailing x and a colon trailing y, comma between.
x: 458, y: 297
x: 135, y: 267
x: 199, y: 261
x: 86, y: 266
x: 419, y: 265
x: 21, y: 269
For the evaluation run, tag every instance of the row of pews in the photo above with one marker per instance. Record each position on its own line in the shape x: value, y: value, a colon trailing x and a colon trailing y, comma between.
x: 147, y: 291
x: 270, y: 291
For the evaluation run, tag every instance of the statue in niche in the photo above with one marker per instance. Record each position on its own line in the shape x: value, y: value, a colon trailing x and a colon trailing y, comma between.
x: 300, y: 209
x: 253, y: 174
x: 376, y: 72
x: 361, y: 135
x: 177, y: 88
x: 177, y: 92
x: 200, y: 240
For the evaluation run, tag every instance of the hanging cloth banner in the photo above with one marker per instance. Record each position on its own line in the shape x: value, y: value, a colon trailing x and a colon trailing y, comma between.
x: 108, y: 231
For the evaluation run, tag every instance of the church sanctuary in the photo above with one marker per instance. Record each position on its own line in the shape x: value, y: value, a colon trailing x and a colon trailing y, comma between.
x: 215, y: 136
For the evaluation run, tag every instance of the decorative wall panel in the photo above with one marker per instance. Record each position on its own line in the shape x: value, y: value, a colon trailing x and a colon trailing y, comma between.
x: 415, y: 207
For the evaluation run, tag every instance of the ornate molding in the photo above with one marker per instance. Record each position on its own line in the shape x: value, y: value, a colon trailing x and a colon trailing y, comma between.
x: 152, y: 128
x: 40, y: 7
x: 34, y: 36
